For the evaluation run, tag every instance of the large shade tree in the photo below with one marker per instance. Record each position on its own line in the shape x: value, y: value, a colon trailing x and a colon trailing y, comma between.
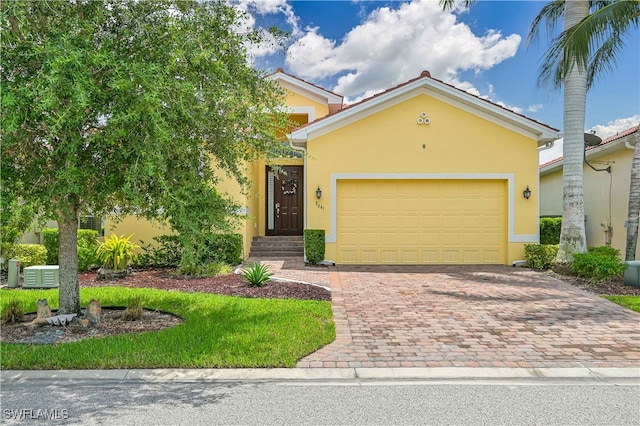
x: 128, y: 107
x: 592, y: 36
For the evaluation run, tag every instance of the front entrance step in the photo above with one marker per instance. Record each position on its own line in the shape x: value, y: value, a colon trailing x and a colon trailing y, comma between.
x: 279, y: 246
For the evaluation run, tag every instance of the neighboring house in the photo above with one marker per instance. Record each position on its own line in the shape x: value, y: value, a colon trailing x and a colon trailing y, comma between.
x: 423, y: 173
x: 606, y: 192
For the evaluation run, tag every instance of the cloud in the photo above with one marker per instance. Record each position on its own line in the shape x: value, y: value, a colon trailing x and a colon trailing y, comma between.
x: 535, y: 107
x: 252, y: 8
x: 602, y: 130
x: 616, y: 126
x: 391, y: 46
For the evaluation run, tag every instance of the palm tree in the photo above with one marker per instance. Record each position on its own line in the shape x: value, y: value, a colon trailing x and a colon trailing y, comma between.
x: 568, y: 70
x: 592, y: 44
x: 587, y: 46
x: 634, y: 203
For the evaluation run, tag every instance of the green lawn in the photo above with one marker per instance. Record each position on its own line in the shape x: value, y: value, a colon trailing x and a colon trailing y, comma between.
x: 219, y: 332
x: 631, y: 302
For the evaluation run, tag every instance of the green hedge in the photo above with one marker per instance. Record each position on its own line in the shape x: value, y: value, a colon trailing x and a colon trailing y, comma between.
x: 31, y: 254
x: 599, y: 263
x: 550, y: 230
x: 314, y: 245
x: 225, y: 248
x: 166, y: 253
x: 87, y: 245
x: 212, y: 248
x: 51, y: 240
x: 540, y: 256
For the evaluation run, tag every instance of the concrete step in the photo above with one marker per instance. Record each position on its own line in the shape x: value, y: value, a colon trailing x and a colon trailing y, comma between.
x: 277, y: 246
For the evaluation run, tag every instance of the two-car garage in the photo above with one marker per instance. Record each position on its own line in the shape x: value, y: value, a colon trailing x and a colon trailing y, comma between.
x: 421, y: 221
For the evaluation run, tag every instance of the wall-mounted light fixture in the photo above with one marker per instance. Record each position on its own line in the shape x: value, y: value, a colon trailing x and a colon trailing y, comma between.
x: 318, y: 192
x: 526, y: 193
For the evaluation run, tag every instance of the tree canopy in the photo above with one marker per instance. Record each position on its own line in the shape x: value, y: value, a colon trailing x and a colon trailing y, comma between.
x: 128, y: 106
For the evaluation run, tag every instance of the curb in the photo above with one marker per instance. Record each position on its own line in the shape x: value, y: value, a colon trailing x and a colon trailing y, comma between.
x: 631, y: 375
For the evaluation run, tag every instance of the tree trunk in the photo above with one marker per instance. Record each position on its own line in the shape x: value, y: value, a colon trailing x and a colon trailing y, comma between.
x: 573, y: 235
x: 634, y: 203
x: 68, y: 261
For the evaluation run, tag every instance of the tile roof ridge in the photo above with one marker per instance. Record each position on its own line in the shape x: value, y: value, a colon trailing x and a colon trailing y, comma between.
x: 424, y: 74
x: 605, y: 141
x: 282, y: 71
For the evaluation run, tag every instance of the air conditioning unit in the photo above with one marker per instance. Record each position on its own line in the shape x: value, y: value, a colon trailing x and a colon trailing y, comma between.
x: 41, y: 276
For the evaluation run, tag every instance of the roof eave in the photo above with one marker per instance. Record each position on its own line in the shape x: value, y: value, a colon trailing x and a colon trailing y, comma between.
x: 543, y: 133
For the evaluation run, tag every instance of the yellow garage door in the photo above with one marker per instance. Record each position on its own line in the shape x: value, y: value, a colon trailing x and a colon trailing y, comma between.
x: 421, y: 221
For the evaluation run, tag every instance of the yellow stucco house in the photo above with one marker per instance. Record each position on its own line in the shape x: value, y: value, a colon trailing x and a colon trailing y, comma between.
x: 422, y: 173
x: 607, y: 175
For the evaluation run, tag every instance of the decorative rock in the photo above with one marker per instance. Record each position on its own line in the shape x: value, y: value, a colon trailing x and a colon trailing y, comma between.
x: 93, y: 311
x: 113, y: 274
x: 44, y: 311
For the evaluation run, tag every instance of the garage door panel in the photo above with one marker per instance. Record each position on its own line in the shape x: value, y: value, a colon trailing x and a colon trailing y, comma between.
x: 421, y: 221
x: 451, y: 256
x: 389, y: 239
x: 368, y: 239
x: 389, y: 256
x: 409, y: 239
x: 410, y: 257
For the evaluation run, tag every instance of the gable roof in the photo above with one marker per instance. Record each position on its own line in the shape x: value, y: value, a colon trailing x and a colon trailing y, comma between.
x: 606, y: 146
x: 294, y: 83
x: 435, y: 88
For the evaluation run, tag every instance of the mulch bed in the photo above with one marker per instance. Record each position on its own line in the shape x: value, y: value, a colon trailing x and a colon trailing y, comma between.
x: 614, y: 286
x: 230, y: 285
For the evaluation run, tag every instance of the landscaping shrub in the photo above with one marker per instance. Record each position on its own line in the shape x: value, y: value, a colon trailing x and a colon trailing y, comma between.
x: 598, y: 263
x: 31, y: 254
x: 13, y: 312
x: 314, y: 245
x: 87, y: 246
x: 9, y: 235
x: 211, y: 269
x: 225, y: 248
x: 540, y: 256
x: 209, y: 248
x: 51, y: 240
x: 550, y: 230
x: 166, y: 254
x: 116, y: 252
x: 208, y: 256
x: 134, y: 310
x: 257, y: 274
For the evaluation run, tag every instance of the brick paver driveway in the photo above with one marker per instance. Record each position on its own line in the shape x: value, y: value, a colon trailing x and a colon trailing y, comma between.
x: 470, y: 316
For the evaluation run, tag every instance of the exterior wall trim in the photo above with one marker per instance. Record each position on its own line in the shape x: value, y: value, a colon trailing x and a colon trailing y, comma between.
x: 310, y: 111
x: 509, y: 177
x: 432, y: 87
x: 300, y: 85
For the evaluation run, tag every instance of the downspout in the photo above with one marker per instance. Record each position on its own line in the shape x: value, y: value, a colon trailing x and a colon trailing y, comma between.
x: 303, y: 150
x: 546, y: 146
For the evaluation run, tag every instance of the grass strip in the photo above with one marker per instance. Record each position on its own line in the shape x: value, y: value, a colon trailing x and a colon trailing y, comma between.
x: 631, y: 302
x: 219, y: 332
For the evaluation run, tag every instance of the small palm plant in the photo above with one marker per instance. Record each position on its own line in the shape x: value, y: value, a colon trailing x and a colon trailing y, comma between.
x: 116, y: 252
x: 256, y: 274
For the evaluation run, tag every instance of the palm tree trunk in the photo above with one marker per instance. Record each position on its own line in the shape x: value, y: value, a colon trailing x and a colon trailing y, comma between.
x: 573, y: 235
x: 68, y: 261
x: 634, y: 203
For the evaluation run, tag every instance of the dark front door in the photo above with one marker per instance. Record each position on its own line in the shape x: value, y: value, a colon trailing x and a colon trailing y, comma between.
x: 285, y: 201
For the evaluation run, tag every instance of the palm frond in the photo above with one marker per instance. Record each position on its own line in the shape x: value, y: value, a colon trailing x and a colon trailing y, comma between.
x: 593, y: 44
